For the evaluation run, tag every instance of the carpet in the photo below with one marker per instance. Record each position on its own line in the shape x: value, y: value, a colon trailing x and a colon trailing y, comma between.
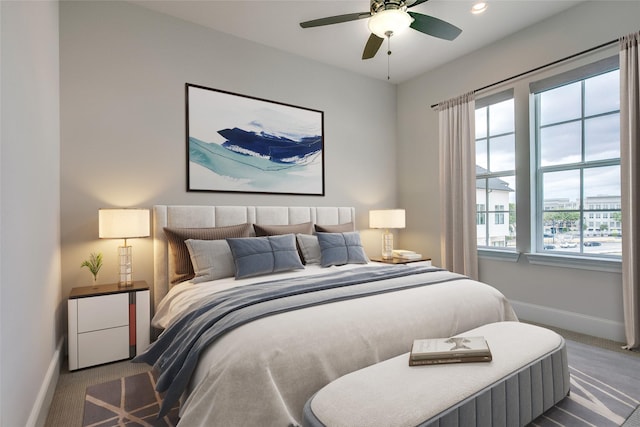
x: 605, y: 391
x: 129, y: 401
x: 634, y: 419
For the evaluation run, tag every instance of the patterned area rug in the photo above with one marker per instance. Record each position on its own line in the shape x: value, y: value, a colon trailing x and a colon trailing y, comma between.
x: 129, y: 401
x: 605, y: 389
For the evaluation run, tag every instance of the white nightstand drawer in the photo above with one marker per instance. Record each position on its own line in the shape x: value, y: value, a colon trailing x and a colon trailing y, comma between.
x: 103, y: 312
x: 103, y: 346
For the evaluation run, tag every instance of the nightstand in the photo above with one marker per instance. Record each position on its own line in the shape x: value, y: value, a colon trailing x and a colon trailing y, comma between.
x: 426, y: 261
x: 107, y: 323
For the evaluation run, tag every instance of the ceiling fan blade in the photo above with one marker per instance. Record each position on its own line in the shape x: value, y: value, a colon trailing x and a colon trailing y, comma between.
x: 335, y: 19
x: 434, y: 27
x: 372, y: 46
x: 415, y: 3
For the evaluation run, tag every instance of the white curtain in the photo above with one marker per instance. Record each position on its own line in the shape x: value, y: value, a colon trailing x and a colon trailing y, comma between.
x: 458, y: 185
x: 630, y: 162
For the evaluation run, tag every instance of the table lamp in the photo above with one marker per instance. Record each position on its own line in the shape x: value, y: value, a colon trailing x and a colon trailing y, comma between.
x: 127, y: 223
x: 387, y: 219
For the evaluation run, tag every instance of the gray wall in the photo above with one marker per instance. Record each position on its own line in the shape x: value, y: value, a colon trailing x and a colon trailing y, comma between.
x: 123, y: 70
x: 29, y: 211
x: 585, y: 301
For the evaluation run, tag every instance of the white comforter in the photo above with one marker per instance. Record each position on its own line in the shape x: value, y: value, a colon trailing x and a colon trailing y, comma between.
x: 262, y: 373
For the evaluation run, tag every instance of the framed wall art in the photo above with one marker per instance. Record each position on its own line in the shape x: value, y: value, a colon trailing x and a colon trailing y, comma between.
x: 238, y: 143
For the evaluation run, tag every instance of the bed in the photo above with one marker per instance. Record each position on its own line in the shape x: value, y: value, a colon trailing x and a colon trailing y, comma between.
x: 262, y: 369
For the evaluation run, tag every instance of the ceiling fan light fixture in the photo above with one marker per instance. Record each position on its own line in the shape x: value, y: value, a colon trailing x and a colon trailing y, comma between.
x: 391, y: 20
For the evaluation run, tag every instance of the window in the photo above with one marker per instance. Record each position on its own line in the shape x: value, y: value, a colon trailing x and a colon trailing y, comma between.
x: 499, y: 215
x: 577, y: 146
x: 567, y: 153
x: 481, y: 215
x: 495, y: 171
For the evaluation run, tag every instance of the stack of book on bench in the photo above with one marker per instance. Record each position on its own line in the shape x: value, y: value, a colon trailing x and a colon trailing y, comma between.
x: 435, y: 351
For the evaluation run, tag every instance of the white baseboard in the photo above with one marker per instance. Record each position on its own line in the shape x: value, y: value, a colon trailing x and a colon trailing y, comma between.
x: 589, y: 325
x: 40, y: 410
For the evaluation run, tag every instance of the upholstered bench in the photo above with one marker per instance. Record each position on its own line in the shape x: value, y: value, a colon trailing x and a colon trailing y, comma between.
x: 528, y: 375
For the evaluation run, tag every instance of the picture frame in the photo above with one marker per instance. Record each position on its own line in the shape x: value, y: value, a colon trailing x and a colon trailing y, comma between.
x: 242, y: 144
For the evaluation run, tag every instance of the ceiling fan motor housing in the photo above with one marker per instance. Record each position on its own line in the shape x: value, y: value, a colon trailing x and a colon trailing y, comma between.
x: 378, y: 5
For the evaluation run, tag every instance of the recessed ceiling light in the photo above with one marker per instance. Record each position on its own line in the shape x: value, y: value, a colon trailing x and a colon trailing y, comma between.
x: 479, y: 7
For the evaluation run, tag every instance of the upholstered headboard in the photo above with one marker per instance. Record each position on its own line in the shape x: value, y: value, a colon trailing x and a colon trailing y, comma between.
x: 219, y: 216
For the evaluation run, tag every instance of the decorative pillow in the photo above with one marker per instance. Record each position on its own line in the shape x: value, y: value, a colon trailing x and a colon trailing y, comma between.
x: 274, y: 230
x: 180, y: 258
x: 337, y: 228
x: 341, y: 248
x: 309, y: 248
x: 211, y: 259
x: 263, y: 255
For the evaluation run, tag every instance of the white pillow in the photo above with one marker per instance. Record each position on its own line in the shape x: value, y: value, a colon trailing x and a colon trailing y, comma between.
x: 309, y: 247
x: 211, y: 259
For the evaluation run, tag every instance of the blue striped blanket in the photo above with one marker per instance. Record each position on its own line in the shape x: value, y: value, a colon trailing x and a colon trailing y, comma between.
x: 176, y: 352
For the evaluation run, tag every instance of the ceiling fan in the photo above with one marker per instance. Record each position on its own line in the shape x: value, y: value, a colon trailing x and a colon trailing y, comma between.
x: 388, y: 17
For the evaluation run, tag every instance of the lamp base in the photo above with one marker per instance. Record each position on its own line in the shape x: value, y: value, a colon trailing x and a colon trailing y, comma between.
x: 387, y: 245
x: 125, y: 257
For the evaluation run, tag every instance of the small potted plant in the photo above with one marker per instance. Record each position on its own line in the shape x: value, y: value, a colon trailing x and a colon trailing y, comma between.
x: 94, y: 263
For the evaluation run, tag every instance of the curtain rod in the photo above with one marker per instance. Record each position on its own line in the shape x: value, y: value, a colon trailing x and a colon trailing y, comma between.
x: 533, y: 70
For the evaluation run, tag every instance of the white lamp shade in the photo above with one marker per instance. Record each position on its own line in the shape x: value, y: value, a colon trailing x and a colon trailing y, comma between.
x: 387, y: 218
x: 393, y: 20
x: 123, y: 223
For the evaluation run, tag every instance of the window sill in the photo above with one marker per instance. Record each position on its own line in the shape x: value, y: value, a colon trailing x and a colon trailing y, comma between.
x: 583, y: 263
x: 499, y: 255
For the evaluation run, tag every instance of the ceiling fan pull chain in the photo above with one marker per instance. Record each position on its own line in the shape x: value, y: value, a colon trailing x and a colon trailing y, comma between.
x: 389, y: 55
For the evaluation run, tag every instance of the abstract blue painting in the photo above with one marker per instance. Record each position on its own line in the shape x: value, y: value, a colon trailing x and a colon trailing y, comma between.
x: 238, y: 143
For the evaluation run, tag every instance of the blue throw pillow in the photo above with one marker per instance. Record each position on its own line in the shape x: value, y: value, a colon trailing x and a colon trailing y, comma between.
x: 254, y: 256
x: 341, y: 248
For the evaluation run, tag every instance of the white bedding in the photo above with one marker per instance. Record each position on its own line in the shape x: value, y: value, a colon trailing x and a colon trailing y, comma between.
x: 185, y: 294
x: 262, y: 373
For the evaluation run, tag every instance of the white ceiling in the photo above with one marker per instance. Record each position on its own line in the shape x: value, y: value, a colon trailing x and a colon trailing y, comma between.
x: 276, y: 24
